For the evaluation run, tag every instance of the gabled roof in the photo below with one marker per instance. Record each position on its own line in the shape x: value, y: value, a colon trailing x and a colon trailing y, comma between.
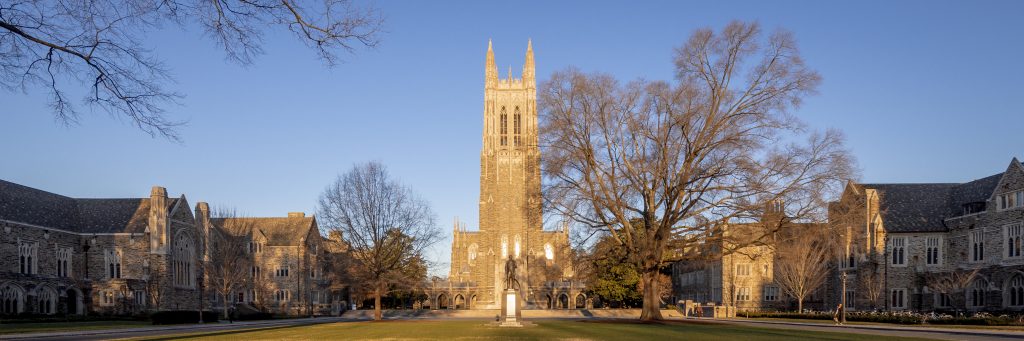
x: 37, y: 207
x: 279, y: 231
x: 970, y: 192
x: 924, y: 207
x: 913, y: 207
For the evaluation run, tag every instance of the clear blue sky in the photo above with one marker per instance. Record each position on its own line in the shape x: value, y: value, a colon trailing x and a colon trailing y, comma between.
x: 925, y: 91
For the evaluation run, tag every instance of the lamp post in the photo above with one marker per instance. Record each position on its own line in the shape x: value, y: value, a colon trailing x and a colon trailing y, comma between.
x: 842, y: 317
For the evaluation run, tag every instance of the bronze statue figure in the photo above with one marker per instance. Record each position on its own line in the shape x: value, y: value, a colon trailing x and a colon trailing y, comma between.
x: 510, y: 274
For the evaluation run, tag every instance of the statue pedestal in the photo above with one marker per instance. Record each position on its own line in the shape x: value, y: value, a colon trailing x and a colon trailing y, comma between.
x: 511, y: 314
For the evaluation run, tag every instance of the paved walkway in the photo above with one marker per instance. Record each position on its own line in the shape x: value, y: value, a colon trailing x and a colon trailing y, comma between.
x: 107, y: 334
x: 881, y: 330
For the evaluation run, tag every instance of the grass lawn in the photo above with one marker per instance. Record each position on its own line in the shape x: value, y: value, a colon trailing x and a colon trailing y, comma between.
x: 12, y: 328
x: 950, y: 326
x: 543, y: 330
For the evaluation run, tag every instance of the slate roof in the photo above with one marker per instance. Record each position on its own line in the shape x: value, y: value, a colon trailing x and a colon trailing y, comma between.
x: 924, y: 207
x: 279, y: 231
x: 913, y: 207
x: 37, y: 207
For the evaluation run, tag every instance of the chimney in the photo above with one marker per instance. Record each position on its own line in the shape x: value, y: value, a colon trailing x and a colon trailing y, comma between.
x: 296, y: 214
x: 158, y: 220
x: 203, y: 220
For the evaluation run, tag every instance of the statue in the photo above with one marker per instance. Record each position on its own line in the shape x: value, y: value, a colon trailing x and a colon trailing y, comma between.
x: 510, y: 274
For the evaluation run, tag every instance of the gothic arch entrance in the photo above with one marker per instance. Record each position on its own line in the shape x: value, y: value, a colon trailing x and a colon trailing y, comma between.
x: 563, y: 301
x: 472, y: 302
x: 551, y: 302
x: 460, y: 302
x: 442, y: 301
x: 581, y: 301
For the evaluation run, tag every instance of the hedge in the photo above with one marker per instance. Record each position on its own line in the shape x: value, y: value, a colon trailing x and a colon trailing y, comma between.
x: 182, y: 316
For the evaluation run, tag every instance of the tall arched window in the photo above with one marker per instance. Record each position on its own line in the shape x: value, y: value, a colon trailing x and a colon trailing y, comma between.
x: 977, y: 293
x: 1016, y: 290
x: 517, y: 127
x: 517, y: 248
x: 183, y: 262
x: 12, y: 299
x: 504, y: 127
x: 504, y: 247
x: 549, y: 252
x: 472, y: 254
x: 47, y: 301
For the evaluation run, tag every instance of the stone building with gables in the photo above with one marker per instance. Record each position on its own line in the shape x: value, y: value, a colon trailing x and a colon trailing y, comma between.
x: 902, y: 242
x: 63, y: 255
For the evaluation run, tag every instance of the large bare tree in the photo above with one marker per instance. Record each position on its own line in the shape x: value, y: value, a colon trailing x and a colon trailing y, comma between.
x: 662, y: 165
x: 100, y: 45
x: 385, y: 224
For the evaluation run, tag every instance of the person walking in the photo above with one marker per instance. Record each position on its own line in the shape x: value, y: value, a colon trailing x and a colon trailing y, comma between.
x: 838, y: 313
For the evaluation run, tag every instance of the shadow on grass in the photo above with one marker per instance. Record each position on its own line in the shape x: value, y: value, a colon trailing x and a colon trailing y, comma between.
x: 220, y: 333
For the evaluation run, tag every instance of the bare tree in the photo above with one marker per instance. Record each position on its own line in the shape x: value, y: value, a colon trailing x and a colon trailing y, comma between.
x: 661, y: 166
x: 951, y: 283
x: 100, y: 45
x: 871, y: 284
x: 803, y: 262
x: 229, y: 267
x: 385, y: 224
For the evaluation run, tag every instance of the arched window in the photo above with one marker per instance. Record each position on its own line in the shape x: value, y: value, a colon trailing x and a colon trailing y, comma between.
x: 504, y: 247
x: 64, y: 262
x: 113, y: 261
x: 183, y: 262
x: 549, y: 252
x: 472, y: 254
x: 504, y: 127
x: 27, y: 258
x: 517, y: 127
x: 1016, y: 291
x: 12, y: 299
x: 47, y: 301
x: 977, y: 293
x: 516, y: 249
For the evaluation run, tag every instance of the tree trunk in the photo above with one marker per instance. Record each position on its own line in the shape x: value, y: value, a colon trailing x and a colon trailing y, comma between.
x: 225, y: 308
x: 376, y: 305
x: 800, y: 305
x: 652, y: 309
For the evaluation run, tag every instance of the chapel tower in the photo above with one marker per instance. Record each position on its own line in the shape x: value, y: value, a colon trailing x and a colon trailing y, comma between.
x: 510, y: 159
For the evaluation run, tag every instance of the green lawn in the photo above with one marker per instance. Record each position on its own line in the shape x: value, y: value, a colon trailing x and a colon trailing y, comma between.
x: 13, y: 328
x: 543, y: 330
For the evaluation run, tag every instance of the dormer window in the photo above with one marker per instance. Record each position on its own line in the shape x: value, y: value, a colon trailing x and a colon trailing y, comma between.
x: 973, y: 207
x: 1010, y: 200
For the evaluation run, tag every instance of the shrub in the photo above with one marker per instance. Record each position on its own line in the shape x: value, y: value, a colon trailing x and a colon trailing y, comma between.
x: 182, y: 316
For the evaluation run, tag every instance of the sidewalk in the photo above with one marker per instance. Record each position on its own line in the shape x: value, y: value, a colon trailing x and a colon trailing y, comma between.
x: 185, y: 328
x: 894, y: 330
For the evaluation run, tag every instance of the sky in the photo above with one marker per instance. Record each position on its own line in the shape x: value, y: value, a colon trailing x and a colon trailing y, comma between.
x: 924, y: 91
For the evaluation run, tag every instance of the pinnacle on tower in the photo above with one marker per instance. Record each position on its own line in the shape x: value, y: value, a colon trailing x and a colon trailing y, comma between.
x: 491, y: 71
x: 528, y: 67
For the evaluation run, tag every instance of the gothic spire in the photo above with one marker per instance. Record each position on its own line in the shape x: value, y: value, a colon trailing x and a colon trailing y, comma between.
x: 528, y: 67
x: 491, y: 71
